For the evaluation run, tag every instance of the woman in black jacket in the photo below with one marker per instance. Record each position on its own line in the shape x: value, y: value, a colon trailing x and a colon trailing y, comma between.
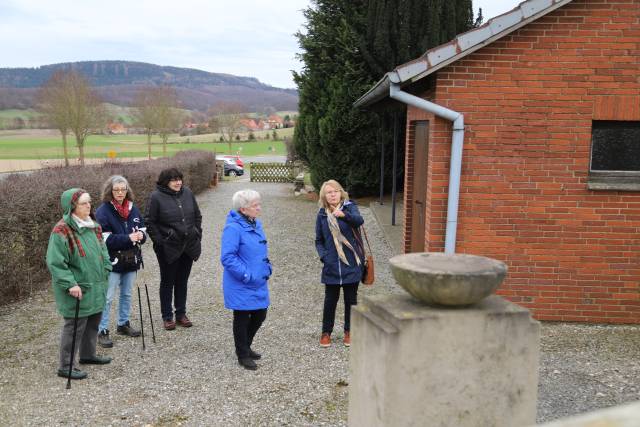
x: 174, y: 224
x: 340, y: 253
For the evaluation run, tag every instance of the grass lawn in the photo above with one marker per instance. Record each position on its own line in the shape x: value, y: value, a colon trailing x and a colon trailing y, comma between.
x: 35, y: 146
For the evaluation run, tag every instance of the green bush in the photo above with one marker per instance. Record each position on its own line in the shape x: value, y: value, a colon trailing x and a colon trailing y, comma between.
x: 31, y: 207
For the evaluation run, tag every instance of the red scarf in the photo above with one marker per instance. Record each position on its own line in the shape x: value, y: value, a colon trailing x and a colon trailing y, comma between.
x: 123, y: 209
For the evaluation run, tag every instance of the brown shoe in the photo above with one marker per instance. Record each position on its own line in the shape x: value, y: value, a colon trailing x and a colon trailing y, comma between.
x: 325, y: 340
x: 169, y: 325
x: 347, y: 338
x: 184, y: 322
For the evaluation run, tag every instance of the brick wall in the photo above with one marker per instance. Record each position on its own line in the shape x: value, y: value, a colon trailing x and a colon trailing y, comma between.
x: 528, y: 100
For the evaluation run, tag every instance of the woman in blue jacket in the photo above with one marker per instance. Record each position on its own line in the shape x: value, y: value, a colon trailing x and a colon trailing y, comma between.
x: 123, y: 231
x: 246, y: 272
x: 341, y: 255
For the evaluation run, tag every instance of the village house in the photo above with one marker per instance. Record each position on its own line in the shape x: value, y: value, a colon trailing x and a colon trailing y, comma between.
x: 116, y: 129
x: 275, y: 121
x: 190, y: 124
x: 523, y: 144
x: 247, y: 125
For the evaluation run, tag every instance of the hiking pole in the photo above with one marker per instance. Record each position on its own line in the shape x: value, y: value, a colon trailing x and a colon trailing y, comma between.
x: 144, y: 347
x: 137, y: 244
x: 73, y: 342
x: 153, y: 333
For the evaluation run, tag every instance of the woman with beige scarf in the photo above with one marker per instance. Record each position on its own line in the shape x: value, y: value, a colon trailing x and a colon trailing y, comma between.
x: 340, y: 253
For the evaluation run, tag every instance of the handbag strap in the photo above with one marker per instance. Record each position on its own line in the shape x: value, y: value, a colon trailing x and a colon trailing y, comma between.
x: 366, y: 238
x: 359, y: 239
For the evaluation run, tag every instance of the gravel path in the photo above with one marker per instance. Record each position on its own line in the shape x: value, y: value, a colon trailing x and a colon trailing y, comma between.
x: 191, y: 376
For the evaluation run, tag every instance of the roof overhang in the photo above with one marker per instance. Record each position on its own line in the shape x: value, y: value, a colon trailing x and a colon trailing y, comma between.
x: 464, y: 44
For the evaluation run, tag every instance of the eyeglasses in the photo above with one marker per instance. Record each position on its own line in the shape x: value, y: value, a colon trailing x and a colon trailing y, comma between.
x: 175, y: 179
x: 119, y: 190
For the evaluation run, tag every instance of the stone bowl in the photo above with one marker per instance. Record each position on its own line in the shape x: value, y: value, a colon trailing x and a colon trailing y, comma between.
x: 451, y: 280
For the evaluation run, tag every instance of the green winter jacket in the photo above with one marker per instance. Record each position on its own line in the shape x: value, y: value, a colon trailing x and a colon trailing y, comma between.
x: 77, y: 256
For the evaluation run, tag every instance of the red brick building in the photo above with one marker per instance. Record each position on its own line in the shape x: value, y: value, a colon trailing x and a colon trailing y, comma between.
x: 550, y: 174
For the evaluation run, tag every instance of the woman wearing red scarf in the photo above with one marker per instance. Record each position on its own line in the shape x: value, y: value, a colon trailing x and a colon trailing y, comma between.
x: 123, y: 231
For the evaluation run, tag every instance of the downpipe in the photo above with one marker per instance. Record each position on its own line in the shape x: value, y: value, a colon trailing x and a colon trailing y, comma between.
x: 455, y: 168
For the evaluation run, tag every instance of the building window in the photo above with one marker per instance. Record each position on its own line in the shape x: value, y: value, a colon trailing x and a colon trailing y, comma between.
x: 615, y: 155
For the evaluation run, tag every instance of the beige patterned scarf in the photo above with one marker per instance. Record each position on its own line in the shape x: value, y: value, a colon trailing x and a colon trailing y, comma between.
x: 339, y: 239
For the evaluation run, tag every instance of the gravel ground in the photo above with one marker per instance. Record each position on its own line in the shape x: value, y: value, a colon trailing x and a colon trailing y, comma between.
x: 191, y: 376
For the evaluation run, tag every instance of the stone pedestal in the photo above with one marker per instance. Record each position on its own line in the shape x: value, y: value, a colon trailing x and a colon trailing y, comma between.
x: 417, y: 365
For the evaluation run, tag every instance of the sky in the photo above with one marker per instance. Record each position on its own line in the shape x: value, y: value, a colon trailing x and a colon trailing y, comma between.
x: 253, y: 38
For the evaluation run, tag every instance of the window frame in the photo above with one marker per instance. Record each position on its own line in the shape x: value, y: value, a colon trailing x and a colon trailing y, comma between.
x: 617, y: 180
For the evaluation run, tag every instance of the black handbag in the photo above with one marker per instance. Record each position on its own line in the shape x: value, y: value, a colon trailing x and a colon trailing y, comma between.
x: 129, y: 259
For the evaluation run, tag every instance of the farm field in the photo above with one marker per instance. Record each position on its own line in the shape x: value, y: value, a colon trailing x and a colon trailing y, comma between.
x: 47, y: 144
x: 120, y: 113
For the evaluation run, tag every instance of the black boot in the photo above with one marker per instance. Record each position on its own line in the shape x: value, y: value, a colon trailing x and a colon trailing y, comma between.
x: 248, y: 363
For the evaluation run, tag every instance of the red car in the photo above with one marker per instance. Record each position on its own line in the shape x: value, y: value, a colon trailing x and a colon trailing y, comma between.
x: 237, y: 159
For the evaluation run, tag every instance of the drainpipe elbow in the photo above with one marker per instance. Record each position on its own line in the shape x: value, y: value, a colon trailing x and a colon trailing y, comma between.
x: 458, y: 123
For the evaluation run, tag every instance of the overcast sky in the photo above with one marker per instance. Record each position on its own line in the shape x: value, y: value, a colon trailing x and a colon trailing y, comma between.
x: 252, y: 38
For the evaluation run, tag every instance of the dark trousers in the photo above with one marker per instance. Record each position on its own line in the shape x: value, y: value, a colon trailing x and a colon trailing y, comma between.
x: 245, y: 325
x: 86, y: 339
x: 331, y: 297
x: 173, y: 285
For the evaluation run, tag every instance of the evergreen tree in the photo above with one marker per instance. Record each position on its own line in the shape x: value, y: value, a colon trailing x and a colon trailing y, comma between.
x: 347, y: 47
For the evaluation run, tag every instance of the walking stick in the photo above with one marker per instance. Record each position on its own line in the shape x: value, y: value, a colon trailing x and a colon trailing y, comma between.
x: 144, y: 347
x: 73, y: 342
x: 153, y: 333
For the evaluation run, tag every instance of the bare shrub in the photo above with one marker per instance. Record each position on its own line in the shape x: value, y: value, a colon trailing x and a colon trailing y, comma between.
x: 31, y: 206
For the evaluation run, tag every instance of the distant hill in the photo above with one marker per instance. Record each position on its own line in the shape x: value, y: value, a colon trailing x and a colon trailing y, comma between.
x: 118, y: 82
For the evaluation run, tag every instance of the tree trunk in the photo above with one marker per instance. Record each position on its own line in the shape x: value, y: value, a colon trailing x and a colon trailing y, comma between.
x: 65, y: 150
x: 149, y: 145
x: 164, y: 145
x: 81, y: 150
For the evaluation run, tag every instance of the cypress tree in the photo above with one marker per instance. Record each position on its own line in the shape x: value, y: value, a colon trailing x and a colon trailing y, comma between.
x: 349, y: 45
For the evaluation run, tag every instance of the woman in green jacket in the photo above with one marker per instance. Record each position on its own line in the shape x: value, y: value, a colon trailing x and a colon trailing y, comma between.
x: 78, y: 260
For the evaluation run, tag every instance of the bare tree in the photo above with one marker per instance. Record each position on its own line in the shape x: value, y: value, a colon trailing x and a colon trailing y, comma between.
x: 54, y: 104
x: 168, y: 115
x: 85, y: 110
x: 156, y: 111
x: 71, y: 106
x: 228, y: 116
x: 145, y: 113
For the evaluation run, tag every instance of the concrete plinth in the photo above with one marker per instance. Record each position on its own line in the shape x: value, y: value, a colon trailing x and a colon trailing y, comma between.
x: 417, y: 365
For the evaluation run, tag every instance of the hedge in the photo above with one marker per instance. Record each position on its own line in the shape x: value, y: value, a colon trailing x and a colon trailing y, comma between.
x: 30, y: 207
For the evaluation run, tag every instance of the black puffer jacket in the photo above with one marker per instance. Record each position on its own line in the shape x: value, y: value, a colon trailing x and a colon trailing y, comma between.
x: 174, y: 223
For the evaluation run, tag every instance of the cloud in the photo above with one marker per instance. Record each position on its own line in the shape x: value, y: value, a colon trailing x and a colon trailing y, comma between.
x: 249, y: 38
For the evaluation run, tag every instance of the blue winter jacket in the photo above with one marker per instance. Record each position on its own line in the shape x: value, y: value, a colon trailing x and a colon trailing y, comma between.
x: 246, y: 265
x: 334, y: 271
x: 116, y: 230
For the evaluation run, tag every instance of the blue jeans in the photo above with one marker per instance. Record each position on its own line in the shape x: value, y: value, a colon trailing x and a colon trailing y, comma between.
x: 125, y: 281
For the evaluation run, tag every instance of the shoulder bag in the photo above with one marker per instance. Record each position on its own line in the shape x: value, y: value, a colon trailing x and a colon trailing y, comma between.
x: 368, y: 275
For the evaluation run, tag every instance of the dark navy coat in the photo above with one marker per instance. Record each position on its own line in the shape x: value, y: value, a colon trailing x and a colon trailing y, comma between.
x: 116, y: 230
x: 334, y: 271
x: 244, y: 256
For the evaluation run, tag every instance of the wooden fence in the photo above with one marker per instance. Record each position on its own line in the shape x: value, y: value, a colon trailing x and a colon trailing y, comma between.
x: 274, y: 172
